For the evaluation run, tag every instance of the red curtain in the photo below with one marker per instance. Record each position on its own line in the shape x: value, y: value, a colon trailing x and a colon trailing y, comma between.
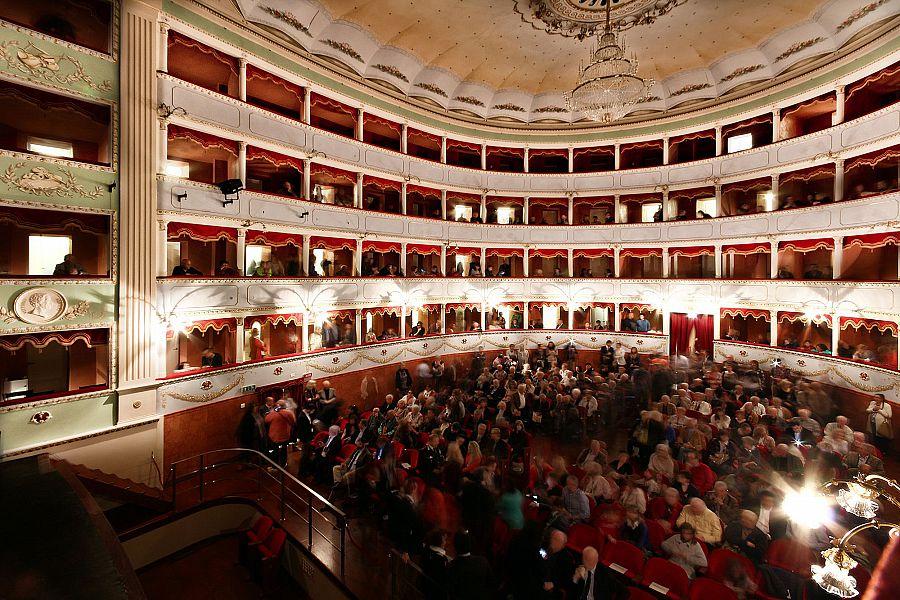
x: 703, y: 324
x: 679, y: 333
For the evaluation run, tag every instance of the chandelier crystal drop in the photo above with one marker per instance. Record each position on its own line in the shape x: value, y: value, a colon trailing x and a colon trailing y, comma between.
x: 609, y: 85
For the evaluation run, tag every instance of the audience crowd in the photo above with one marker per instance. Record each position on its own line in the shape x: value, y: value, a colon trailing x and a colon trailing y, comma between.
x: 478, y: 478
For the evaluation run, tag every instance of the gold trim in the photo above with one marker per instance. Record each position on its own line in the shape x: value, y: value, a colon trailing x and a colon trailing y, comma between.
x: 208, y: 396
x: 33, y: 62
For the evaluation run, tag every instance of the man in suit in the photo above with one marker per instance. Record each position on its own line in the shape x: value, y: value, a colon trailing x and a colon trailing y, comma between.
x: 435, y: 566
x: 862, y: 460
x: 430, y: 460
x: 471, y: 575
x: 744, y: 536
x: 325, y: 457
x: 592, y: 582
x: 557, y: 567
x: 496, y: 446
x: 346, y: 471
x: 798, y: 435
x: 403, y: 379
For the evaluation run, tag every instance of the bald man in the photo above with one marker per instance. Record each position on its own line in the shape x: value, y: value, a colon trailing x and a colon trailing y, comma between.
x: 704, y: 521
x: 590, y: 582
x: 557, y: 566
x: 743, y: 536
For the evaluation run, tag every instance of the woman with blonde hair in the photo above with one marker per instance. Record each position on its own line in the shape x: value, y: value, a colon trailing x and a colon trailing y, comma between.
x: 473, y: 457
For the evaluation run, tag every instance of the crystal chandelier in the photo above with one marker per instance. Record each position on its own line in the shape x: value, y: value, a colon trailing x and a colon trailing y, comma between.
x: 609, y: 85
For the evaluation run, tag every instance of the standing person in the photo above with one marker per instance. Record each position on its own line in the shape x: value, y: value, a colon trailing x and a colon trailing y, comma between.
x: 328, y: 404
x: 880, y: 426
x: 403, y: 380
x: 471, y: 575
x: 258, y: 348
x: 280, y: 422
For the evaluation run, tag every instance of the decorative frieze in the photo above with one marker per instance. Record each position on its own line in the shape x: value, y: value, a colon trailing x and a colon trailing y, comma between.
x: 287, y: 18
x: 46, y: 181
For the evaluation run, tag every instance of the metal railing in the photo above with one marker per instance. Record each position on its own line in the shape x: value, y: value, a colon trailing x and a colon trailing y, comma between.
x: 244, y: 473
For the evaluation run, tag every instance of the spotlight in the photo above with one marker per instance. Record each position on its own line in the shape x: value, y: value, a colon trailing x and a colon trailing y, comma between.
x: 807, y: 507
x: 230, y: 187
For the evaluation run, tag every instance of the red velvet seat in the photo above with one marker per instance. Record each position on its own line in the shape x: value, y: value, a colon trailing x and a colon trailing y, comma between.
x: 661, y: 573
x: 411, y: 457
x: 639, y: 594
x: 398, y: 449
x: 260, y: 530
x: 581, y: 536
x: 624, y: 558
x: 656, y: 534
x: 719, y: 559
x: 704, y: 588
x: 319, y: 439
x: 346, y: 452
x: 791, y: 556
x: 271, y: 547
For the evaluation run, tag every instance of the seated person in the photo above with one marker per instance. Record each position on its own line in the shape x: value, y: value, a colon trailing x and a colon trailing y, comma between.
x: 287, y: 189
x: 226, y: 270
x: 743, y: 536
x: 263, y: 269
x: 683, y: 550
x: 185, y: 269
x: 211, y: 358
x: 68, y: 267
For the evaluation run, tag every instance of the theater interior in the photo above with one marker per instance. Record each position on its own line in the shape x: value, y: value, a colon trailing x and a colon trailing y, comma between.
x: 450, y: 299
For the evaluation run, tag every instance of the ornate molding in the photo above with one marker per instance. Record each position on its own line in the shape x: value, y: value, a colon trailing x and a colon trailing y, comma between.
x: 343, y: 48
x: 550, y: 109
x: 508, y: 106
x: 40, y: 181
x: 287, y: 18
x: 741, y: 71
x: 798, y: 47
x: 469, y: 100
x: 693, y: 87
x: 208, y: 396
x: 392, y: 71
x: 33, y: 62
x: 584, y: 18
x: 430, y: 87
x: 859, y: 14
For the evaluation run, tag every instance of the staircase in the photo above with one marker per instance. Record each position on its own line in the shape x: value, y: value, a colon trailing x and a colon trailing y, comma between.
x: 132, y: 502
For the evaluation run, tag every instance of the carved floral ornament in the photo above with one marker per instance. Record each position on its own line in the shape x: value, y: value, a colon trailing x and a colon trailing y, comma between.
x: 41, y: 181
x: 584, y: 18
x: 62, y: 69
x: 207, y: 395
x: 286, y: 17
x: 42, y: 306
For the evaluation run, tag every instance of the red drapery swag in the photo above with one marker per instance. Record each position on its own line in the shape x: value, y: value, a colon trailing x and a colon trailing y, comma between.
x: 178, y: 39
x: 594, y: 201
x: 53, y: 221
x: 808, y: 174
x: 513, y: 305
x: 640, y: 198
x: 90, y: 337
x: 760, y: 183
x: 751, y: 313
x: 384, y: 247
x: 373, y: 120
x: 317, y: 242
x: 416, y: 134
x: 217, y: 325
x: 279, y: 160
x: 807, y: 245
x: 636, y: 145
x: 424, y: 249
x: 505, y: 201
x: 517, y: 152
x: 869, y: 325
x: 873, y: 159
x: 463, y: 197
x: 274, y: 239
x: 539, y: 305
x: 795, y: 317
x: 382, y: 184
x: 395, y: 311
x: 884, y: 74
x: 549, y: 252
x: 256, y: 74
x: 693, y: 194
x: 424, y: 191
x: 332, y: 105
x: 692, y: 251
x: 637, y: 307
x: 872, y: 241
x: 464, y: 251
x: 586, y: 305
x: 504, y: 252
x: 747, y: 249
x: 431, y: 307
x: 459, y: 144
x: 548, y: 152
x: 640, y: 252
x: 823, y: 99
x: 592, y: 252
x: 332, y: 172
x: 696, y: 135
x: 294, y: 318
x: 200, y: 233
x: 610, y: 150
x: 739, y: 127
x: 549, y: 202
x: 463, y: 306
x: 206, y: 140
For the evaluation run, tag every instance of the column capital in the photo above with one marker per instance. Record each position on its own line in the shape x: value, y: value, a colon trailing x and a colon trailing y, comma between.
x: 164, y: 26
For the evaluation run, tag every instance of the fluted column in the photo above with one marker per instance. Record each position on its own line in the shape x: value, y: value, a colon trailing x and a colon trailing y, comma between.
x: 242, y: 79
x: 307, y: 179
x: 570, y: 264
x: 484, y: 157
x: 617, y: 268
x: 665, y: 150
x: 525, y: 165
x: 773, y: 266
x: 444, y: 205
x: 139, y: 328
x: 837, y: 256
x: 839, y: 180
x: 443, y: 158
x: 358, y: 196
x: 841, y: 98
x: 307, y: 105
x: 403, y: 262
x: 718, y: 140
x: 403, y: 142
x: 665, y: 263
x: 776, y: 124
x: 571, y: 160
x: 718, y: 258
x: 163, y: 54
x: 525, y: 259
x: 360, y: 115
x: 242, y: 161
x: 241, y: 258
x: 525, y: 209
x: 618, y: 157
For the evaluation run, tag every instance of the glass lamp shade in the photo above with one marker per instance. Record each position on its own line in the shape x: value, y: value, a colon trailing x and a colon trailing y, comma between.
x: 834, y: 576
x: 858, y: 500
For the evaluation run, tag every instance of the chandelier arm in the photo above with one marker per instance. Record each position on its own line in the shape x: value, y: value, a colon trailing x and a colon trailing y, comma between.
x: 869, y: 486
x: 895, y: 488
x: 873, y: 524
